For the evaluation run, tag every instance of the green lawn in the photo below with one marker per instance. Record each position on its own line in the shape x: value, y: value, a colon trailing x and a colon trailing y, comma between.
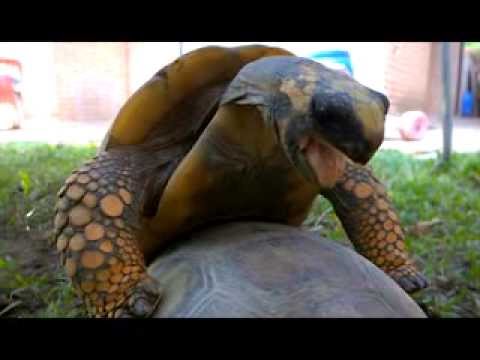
x: 449, y: 251
x: 422, y: 191
x: 30, y: 176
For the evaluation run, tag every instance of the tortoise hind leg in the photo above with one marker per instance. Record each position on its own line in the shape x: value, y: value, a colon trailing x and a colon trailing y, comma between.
x: 96, y: 227
x: 368, y: 217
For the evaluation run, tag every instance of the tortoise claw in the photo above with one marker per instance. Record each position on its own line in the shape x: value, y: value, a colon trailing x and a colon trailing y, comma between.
x: 409, y: 279
x: 143, y: 300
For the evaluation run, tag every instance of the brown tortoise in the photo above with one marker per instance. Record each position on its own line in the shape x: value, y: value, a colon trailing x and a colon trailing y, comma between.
x: 244, y: 133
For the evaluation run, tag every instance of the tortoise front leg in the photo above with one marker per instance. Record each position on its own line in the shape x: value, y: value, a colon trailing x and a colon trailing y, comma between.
x: 370, y: 221
x: 97, y: 224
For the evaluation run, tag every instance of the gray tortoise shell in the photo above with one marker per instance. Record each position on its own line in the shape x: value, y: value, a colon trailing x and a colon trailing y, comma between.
x: 271, y: 270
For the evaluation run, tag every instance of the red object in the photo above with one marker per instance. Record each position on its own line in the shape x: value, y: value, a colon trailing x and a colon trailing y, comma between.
x: 10, y: 93
x: 10, y: 77
x: 7, y: 91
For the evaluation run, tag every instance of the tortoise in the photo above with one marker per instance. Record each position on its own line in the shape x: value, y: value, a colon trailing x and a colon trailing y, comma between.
x: 246, y: 133
x: 257, y: 269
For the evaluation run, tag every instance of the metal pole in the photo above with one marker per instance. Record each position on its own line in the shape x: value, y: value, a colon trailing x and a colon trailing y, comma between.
x: 181, y: 48
x: 447, y: 100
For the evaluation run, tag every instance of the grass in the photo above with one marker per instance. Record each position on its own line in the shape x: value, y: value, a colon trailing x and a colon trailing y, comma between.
x: 46, y: 296
x: 422, y: 191
x: 30, y: 176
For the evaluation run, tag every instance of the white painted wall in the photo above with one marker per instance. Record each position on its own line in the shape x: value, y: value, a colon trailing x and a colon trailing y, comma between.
x: 146, y: 58
x: 368, y: 58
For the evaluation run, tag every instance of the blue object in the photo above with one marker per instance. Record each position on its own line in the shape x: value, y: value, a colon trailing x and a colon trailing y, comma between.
x: 467, y: 103
x: 337, y: 59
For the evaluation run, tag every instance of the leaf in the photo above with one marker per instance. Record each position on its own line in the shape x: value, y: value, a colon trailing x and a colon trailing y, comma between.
x: 10, y: 307
x: 30, y: 213
x: 25, y: 181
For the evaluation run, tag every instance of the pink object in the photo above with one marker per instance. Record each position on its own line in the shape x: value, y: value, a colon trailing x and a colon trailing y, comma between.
x: 413, y: 125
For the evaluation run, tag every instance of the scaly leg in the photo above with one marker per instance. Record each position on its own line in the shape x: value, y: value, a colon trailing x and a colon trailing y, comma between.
x: 97, y: 226
x: 367, y: 215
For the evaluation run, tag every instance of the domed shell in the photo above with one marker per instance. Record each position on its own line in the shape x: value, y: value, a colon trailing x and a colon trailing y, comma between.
x: 177, y: 100
x: 273, y: 270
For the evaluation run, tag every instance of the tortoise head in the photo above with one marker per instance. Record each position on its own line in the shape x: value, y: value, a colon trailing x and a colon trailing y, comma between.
x: 320, y: 115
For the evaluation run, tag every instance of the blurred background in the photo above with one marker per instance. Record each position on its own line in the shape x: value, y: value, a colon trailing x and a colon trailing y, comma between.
x: 70, y: 92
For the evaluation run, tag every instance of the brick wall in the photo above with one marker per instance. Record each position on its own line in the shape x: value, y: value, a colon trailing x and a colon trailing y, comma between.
x: 91, y: 80
x: 407, y: 73
x: 435, y: 102
x: 414, y: 77
x: 146, y: 58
